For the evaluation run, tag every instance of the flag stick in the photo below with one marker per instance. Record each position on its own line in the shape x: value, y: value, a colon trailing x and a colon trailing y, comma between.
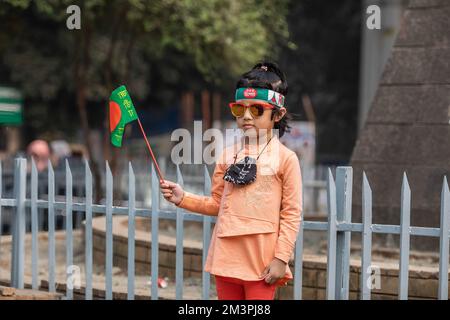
x: 150, y: 150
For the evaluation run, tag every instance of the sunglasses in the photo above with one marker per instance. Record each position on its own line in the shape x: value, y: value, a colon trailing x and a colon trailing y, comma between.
x: 256, y: 108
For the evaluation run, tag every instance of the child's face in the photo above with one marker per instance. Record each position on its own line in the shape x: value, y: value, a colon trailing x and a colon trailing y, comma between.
x: 258, y: 126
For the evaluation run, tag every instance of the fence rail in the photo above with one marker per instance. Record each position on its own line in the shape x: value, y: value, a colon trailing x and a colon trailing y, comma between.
x: 193, y: 175
x: 338, y: 228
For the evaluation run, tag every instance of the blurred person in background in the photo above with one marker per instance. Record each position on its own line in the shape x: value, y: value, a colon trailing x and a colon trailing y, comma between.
x: 39, y: 150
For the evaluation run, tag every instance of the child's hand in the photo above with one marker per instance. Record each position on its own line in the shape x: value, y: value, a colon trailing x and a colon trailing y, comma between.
x: 274, y: 271
x: 172, y: 191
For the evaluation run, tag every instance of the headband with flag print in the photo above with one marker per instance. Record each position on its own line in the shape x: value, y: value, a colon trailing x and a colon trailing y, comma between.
x: 265, y: 95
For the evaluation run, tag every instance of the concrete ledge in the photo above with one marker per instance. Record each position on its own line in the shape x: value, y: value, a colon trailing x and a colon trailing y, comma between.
x: 192, y: 252
x: 423, y: 281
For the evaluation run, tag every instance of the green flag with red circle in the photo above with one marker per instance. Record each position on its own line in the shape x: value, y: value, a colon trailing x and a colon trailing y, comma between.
x: 121, y: 112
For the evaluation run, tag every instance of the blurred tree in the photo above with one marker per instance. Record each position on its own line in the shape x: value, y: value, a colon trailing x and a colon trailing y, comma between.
x: 124, y: 42
x: 325, y: 66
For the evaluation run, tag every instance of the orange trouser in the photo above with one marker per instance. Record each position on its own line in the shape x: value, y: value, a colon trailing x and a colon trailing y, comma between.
x: 237, y: 289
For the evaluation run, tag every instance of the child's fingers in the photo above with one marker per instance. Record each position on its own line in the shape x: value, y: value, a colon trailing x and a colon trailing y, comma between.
x: 271, y: 278
x: 167, y: 187
x: 171, y: 185
x: 165, y: 183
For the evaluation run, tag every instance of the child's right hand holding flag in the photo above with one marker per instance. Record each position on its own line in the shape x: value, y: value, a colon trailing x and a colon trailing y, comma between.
x: 172, y: 191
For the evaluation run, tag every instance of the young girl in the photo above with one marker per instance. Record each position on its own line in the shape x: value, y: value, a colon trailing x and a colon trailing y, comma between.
x: 256, y: 194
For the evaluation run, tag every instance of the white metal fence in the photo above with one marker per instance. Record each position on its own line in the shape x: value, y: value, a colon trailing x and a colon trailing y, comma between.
x: 338, y: 228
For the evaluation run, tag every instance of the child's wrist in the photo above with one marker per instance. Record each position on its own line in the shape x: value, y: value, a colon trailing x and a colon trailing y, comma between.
x: 181, y: 200
x: 282, y: 261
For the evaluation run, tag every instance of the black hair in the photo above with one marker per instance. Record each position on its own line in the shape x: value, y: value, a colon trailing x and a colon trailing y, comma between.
x: 267, y: 75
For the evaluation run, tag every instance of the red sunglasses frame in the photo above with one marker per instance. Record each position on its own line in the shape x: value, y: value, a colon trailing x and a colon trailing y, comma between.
x: 265, y: 105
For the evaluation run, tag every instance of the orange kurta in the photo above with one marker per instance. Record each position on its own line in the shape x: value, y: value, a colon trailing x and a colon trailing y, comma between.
x: 255, y: 222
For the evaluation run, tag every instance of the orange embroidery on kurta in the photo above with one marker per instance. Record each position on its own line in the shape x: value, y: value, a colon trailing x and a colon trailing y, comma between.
x: 255, y: 194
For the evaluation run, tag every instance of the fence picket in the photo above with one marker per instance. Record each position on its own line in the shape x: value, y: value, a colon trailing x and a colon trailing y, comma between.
x: 344, y: 180
x: 366, y: 252
x: 79, y: 214
x: 179, y: 245
x: 206, y: 277
x: 18, y: 225
x: 88, y: 228
x: 404, y: 238
x: 155, y: 233
x: 109, y: 235
x: 34, y: 226
x: 14, y: 249
x: 131, y: 229
x: 331, y: 255
x: 298, y: 257
x: 444, y: 245
x: 69, y: 234
x: 51, y: 228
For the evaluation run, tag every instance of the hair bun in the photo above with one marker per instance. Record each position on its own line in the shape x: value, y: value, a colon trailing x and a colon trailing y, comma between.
x: 270, y: 66
x: 265, y: 74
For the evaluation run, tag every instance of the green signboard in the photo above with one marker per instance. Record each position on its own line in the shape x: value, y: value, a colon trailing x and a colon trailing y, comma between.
x: 11, y: 103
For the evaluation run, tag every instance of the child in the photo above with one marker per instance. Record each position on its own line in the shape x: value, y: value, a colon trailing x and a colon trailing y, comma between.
x: 256, y: 194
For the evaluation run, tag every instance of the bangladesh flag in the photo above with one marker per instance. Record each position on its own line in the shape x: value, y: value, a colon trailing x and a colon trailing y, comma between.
x: 121, y: 112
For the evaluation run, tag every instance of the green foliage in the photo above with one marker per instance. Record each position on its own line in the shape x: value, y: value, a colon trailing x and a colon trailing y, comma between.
x: 220, y: 36
x: 188, y: 43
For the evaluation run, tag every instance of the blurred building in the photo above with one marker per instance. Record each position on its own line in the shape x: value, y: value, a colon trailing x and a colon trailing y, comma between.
x: 407, y: 127
x: 376, y: 47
